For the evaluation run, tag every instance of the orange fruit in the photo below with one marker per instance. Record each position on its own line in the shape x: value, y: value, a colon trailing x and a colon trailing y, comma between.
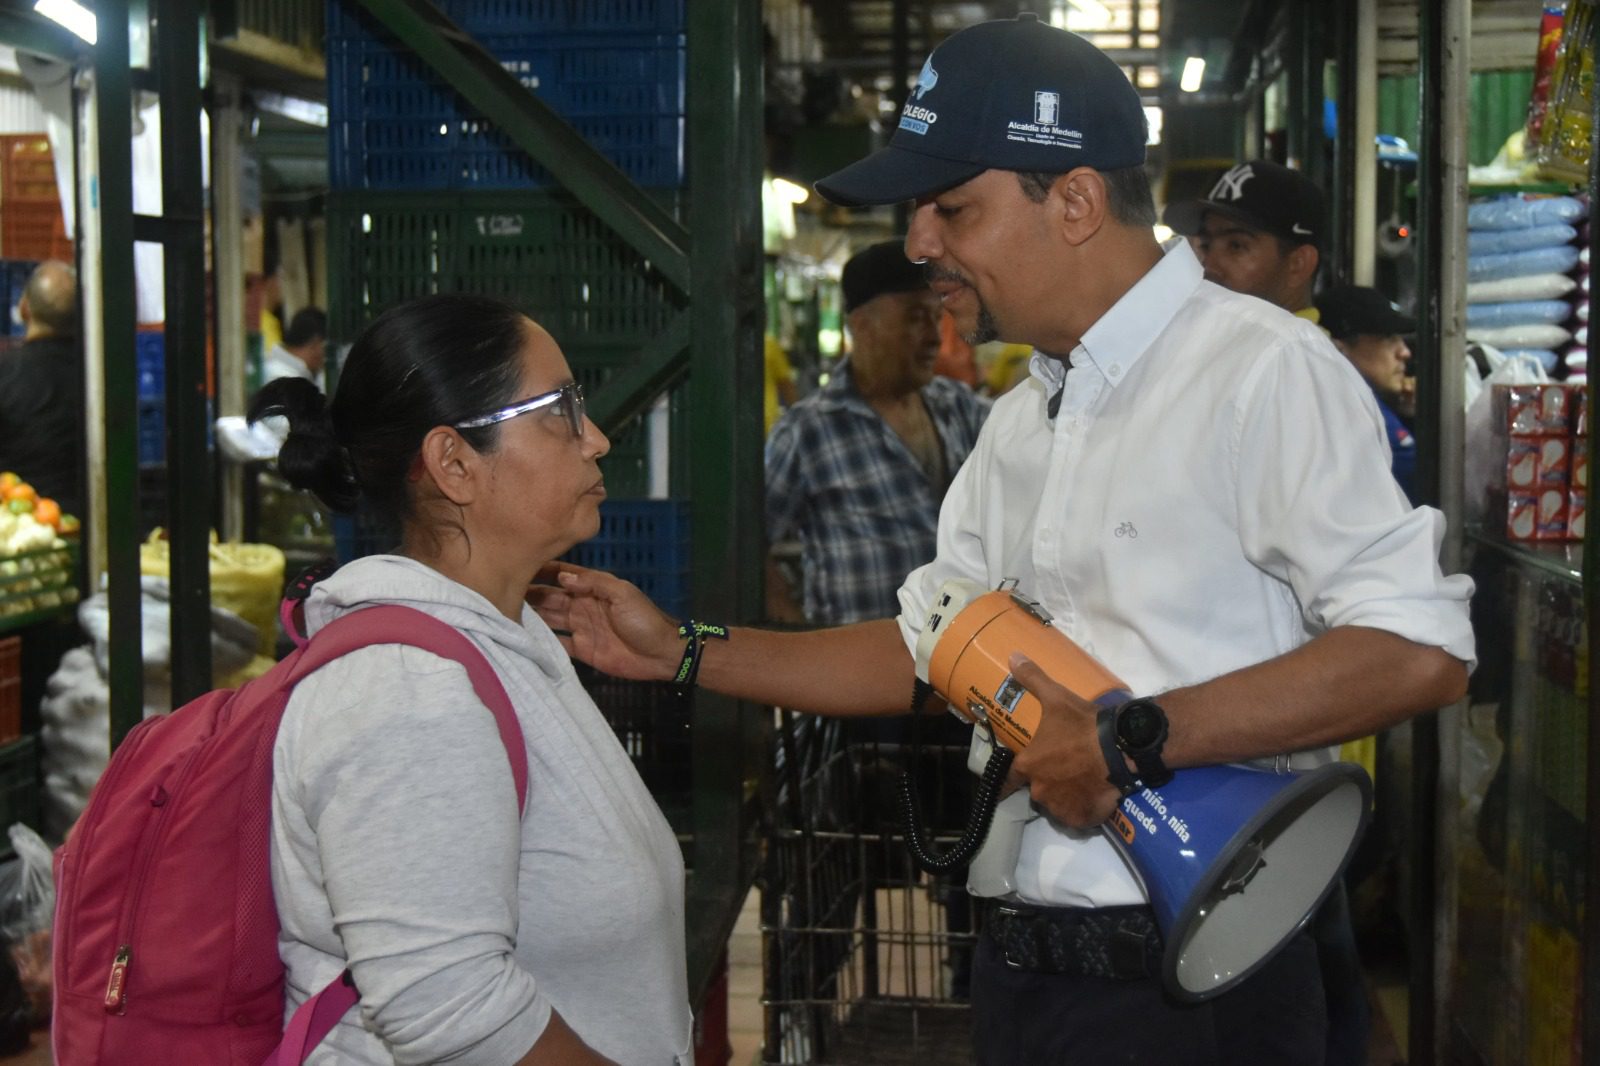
x: 47, y: 512
x: 7, y: 479
x: 19, y: 491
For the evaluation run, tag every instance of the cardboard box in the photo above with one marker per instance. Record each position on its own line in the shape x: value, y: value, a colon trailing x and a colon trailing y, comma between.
x: 1522, y: 516
x: 1522, y: 463
x: 1551, y: 520
x: 1555, y: 460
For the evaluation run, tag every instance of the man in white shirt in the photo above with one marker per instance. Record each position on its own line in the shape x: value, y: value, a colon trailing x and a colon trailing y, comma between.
x: 304, y: 349
x: 1203, y: 503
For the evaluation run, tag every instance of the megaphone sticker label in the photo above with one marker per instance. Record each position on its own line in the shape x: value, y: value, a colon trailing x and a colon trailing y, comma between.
x: 1124, y: 828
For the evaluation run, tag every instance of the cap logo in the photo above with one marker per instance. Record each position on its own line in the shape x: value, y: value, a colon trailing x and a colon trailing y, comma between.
x: 1299, y: 230
x: 1046, y: 106
x: 927, y: 79
x: 1231, y: 185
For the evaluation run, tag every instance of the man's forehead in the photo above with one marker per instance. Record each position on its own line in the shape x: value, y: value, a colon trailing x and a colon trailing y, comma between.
x: 1217, y: 224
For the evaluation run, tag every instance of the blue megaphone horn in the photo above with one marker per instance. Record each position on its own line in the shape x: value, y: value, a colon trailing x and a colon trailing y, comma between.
x: 1234, y: 859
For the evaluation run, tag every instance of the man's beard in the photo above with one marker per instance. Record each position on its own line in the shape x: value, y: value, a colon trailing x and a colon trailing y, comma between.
x: 985, y: 329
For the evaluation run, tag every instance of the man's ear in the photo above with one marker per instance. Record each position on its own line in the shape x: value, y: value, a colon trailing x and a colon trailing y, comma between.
x: 1302, y: 264
x: 451, y: 463
x: 1082, y: 199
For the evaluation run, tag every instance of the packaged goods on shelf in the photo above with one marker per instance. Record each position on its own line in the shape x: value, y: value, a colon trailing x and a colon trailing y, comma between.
x: 1538, y: 491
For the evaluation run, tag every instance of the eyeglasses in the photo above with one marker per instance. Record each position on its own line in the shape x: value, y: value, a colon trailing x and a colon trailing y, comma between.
x: 568, y: 400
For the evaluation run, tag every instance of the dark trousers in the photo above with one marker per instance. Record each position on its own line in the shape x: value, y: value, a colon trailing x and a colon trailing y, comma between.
x: 1275, y: 1018
x: 1345, y: 989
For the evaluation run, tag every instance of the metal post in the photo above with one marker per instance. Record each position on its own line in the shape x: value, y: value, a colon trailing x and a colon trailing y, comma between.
x: 125, y: 674
x: 189, y: 475
x: 227, y: 257
x: 726, y: 322
x: 1341, y: 190
x: 899, y: 73
x: 1364, y: 220
x: 1444, y: 34
x: 1298, y: 136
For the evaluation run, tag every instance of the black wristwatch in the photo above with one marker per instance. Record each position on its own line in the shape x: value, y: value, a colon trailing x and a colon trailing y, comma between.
x: 1141, y: 733
x: 1138, y: 730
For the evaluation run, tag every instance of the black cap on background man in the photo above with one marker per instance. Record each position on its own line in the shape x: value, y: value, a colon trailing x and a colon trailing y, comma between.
x: 1259, y: 232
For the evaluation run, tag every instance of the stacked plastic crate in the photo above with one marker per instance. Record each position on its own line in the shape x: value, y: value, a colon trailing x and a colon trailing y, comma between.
x: 32, y: 225
x: 428, y: 196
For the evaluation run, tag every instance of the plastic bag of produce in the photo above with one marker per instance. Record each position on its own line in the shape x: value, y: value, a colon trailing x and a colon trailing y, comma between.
x: 246, y: 579
x: 27, y: 906
x: 1556, y: 260
x: 1518, y: 213
x: 1485, y: 242
x: 1519, y: 313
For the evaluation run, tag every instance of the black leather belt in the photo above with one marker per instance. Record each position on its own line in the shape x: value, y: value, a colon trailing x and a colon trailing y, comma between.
x: 1119, y: 943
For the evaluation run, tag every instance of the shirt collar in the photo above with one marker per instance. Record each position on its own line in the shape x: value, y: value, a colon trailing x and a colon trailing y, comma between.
x: 1121, y: 335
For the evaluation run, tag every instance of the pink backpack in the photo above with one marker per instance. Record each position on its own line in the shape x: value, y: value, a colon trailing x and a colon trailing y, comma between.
x: 166, y: 934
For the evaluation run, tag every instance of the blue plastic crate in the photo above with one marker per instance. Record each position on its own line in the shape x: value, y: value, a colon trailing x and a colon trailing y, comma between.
x: 394, y: 125
x: 14, y: 275
x: 152, y: 430
x: 150, y: 358
x: 358, y: 535
x: 479, y: 17
x: 645, y: 542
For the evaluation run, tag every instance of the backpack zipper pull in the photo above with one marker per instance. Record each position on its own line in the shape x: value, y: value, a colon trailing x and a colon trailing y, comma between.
x: 117, y: 987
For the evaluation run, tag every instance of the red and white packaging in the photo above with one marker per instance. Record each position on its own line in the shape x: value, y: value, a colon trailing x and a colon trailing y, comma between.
x: 1580, y: 410
x: 1577, y: 505
x: 1522, y: 463
x: 1522, y: 516
x: 1555, y: 408
x: 1555, y: 460
x: 1580, y: 465
x: 1551, y: 521
x: 1516, y: 409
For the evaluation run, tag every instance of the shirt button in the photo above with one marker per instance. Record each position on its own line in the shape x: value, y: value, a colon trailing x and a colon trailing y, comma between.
x: 1116, y: 370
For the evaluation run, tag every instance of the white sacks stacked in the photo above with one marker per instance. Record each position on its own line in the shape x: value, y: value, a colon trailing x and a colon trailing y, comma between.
x: 1521, y: 253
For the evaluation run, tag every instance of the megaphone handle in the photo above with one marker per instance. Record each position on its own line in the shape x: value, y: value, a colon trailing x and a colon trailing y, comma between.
x: 994, y: 869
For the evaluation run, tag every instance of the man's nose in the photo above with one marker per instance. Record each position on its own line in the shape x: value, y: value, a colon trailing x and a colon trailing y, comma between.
x: 922, y: 243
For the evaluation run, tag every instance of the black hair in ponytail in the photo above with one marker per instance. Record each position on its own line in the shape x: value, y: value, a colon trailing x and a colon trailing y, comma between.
x: 433, y: 361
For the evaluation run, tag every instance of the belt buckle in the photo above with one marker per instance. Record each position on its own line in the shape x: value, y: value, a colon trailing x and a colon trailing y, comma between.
x: 1010, y: 930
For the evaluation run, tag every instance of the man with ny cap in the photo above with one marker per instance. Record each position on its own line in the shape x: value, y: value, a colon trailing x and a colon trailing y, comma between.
x: 1190, y: 482
x: 857, y: 470
x: 1258, y: 232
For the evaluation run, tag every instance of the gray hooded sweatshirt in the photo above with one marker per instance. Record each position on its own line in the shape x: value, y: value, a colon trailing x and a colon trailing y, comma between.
x: 397, y: 849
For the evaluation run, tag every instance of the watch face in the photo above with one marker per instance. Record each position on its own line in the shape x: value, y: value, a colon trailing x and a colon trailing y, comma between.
x: 1139, y: 726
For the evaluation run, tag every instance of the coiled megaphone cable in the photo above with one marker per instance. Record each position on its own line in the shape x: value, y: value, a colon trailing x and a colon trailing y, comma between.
x: 983, y: 803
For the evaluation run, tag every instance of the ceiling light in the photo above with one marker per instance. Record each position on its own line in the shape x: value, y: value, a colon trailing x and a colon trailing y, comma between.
x: 308, y: 111
x: 69, y: 13
x: 788, y: 190
x: 1194, y: 71
x: 1088, y: 15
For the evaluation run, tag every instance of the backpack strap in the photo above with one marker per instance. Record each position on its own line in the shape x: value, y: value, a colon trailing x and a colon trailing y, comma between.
x: 391, y: 624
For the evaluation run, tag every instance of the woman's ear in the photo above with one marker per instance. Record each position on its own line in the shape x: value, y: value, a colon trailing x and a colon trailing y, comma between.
x: 1082, y: 196
x: 451, y: 463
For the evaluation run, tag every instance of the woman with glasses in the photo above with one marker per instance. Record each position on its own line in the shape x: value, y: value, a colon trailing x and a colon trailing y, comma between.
x: 472, y: 936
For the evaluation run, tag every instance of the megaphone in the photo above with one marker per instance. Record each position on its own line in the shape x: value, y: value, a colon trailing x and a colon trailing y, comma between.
x: 1234, y: 859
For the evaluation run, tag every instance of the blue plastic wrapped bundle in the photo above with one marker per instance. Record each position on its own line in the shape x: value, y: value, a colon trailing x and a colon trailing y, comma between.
x: 1528, y: 287
x: 1545, y: 357
x: 1557, y: 260
x: 1491, y: 241
x: 1521, y: 313
x: 1517, y: 213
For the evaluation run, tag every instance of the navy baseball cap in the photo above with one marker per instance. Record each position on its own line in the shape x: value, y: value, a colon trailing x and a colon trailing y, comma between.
x: 1015, y: 94
x: 877, y: 271
x: 1347, y: 311
x: 1264, y: 196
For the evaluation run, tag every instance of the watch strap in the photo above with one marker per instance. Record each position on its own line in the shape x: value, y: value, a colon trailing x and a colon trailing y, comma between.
x: 1117, y: 773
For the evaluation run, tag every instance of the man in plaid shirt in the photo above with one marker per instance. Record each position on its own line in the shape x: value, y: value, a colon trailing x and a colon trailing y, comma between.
x: 856, y: 471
